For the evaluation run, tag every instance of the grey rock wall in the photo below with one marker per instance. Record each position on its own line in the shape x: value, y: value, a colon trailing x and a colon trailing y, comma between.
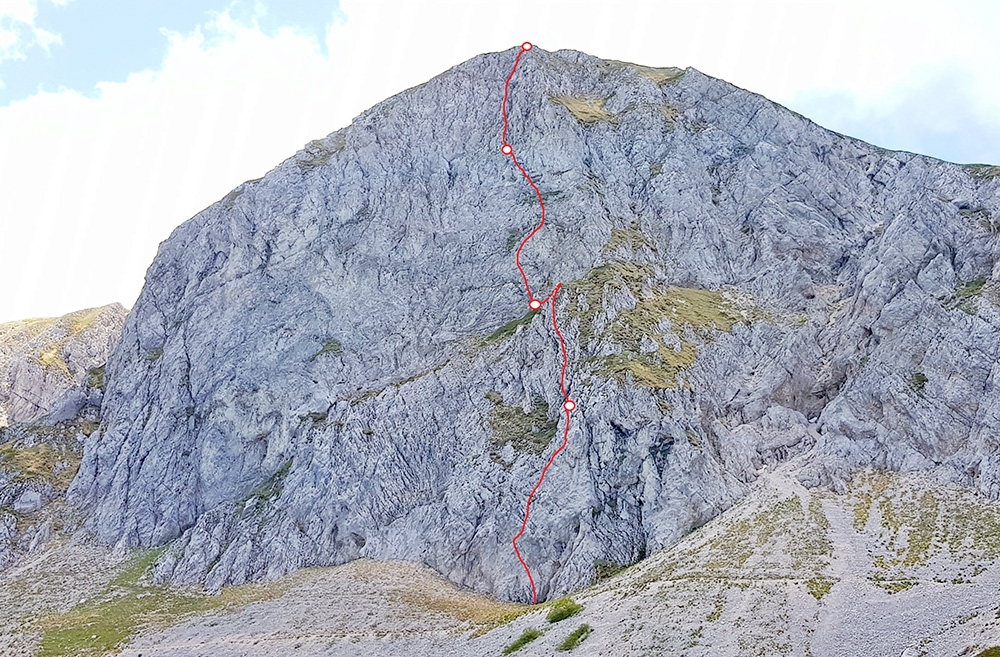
x: 51, y: 390
x: 320, y: 365
x: 46, y: 364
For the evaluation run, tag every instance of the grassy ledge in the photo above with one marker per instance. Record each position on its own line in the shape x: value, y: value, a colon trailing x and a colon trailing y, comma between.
x: 329, y: 347
x: 510, y: 328
x: 585, y: 109
x: 658, y: 337
x: 982, y: 171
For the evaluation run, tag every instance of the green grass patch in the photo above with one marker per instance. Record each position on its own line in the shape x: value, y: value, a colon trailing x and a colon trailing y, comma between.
x: 513, y: 239
x: 994, y: 651
x: 819, y: 587
x: 54, y: 462
x: 781, y: 537
x: 529, y: 432
x: 585, y: 109
x: 483, y: 612
x: 575, y: 638
x: 965, y: 295
x: 526, y: 637
x: 270, y: 489
x: 917, y: 525
x: 329, y: 347
x: 154, y: 355
x: 893, y: 585
x: 562, y: 609
x: 971, y: 289
x: 508, y: 329
x: 982, y: 171
x: 662, y: 317
x: 128, y: 604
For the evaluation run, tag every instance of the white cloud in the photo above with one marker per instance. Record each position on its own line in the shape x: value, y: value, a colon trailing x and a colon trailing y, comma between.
x: 773, y: 47
x: 937, y: 115
x: 18, y: 31
x: 92, y: 185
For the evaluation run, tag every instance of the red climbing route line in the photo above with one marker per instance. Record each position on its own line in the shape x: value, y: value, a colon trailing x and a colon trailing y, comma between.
x: 568, y: 404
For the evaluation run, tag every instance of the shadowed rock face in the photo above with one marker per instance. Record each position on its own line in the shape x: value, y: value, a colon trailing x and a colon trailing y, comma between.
x: 322, y: 365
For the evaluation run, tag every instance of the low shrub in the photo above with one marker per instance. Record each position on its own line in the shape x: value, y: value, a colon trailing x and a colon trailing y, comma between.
x: 562, y: 609
x: 575, y: 638
x: 526, y: 637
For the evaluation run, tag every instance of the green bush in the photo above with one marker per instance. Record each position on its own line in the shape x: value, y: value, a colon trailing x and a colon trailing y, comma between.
x: 562, y: 609
x: 526, y: 637
x: 95, y: 377
x: 575, y: 638
x: 918, y: 381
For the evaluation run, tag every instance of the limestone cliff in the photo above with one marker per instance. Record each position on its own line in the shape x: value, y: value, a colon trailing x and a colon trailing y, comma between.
x: 336, y: 361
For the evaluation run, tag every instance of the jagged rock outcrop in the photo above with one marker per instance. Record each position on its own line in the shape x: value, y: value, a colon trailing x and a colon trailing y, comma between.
x: 50, y: 369
x: 51, y: 388
x: 335, y: 361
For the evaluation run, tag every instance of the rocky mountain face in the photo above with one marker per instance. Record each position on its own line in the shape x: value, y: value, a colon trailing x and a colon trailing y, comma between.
x: 52, y: 369
x: 51, y: 389
x: 337, y: 360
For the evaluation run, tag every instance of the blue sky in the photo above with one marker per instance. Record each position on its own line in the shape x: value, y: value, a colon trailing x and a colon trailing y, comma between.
x: 106, y: 40
x: 119, y: 120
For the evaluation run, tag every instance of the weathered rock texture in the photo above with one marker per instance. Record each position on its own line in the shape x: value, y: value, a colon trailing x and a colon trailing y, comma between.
x: 50, y: 369
x: 334, y: 361
x: 51, y: 387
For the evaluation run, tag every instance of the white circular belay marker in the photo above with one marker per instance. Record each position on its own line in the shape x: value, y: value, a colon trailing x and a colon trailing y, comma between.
x: 569, y: 405
x: 506, y: 150
x: 526, y: 45
x: 534, y: 304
